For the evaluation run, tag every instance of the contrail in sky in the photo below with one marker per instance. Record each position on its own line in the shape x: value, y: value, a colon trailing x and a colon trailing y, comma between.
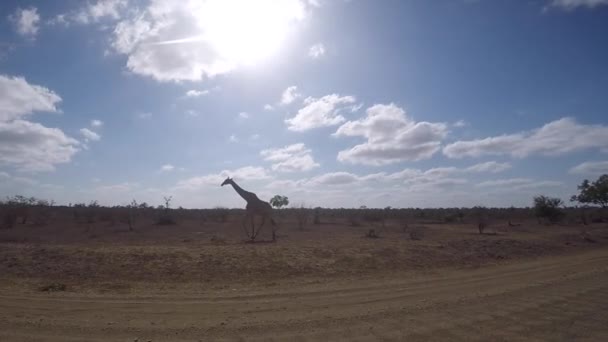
x: 181, y: 40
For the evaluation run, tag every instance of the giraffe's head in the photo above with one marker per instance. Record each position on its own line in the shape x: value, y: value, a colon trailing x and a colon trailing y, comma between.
x: 227, y: 181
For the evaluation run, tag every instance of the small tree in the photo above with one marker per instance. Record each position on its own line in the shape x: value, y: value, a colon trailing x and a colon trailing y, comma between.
x: 92, y: 211
x: 131, y: 213
x: 481, y: 217
x: 548, y: 208
x: 279, y: 201
x: 165, y: 217
x: 301, y: 213
x: 317, y: 215
x: 593, y: 192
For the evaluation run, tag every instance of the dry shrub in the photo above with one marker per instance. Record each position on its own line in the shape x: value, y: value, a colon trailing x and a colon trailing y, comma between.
x: 9, y: 219
x: 481, y: 226
x: 53, y: 287
x: 165, y: 219
x: 317, y: 216
x: 373, y: 216
x: 481, y: 218
x: 301, y: 214
x: 353, y: 219
x: 42, y: 215
x: 372, y: 234
x: 220, y: 214
x: 218, y: 239
x: 417, y: 234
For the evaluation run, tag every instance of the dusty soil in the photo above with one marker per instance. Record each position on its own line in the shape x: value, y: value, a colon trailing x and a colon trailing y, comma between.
x: 201, y: 283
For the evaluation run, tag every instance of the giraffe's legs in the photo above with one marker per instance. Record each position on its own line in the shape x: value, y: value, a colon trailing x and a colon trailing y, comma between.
x: 261, y: 225
x: 249, y: 225
x: 244, y: 223
x: 252, y: 237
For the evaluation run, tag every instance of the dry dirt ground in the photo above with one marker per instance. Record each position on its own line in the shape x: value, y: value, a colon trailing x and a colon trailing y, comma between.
x: 195, y: 282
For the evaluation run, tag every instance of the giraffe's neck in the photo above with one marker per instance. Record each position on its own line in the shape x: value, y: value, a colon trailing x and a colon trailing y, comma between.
x: 245, y: 194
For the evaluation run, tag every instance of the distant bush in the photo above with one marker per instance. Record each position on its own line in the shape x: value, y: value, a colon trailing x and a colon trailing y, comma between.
x: 53, y: 287
x: 317, y: 216
x: 279, y: 201
x: 218, y: 239
x: 372, y: 234
x: 481, y: 218
x: 42, y: 212
x: 92, y: 212
x: 373, y: 216
x: 481, y: 226
x: 9, y: 218
x: 548, y: 208
x: 301, y: 214
x: 166, y: 216
x: 220, y: 214
x: 417, y: 234
x: 353, y: 219
x: 21, y: 207
x: 593, y: 192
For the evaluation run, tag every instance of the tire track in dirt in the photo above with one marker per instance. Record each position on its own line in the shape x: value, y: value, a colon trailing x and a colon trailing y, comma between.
x: 556, y: 298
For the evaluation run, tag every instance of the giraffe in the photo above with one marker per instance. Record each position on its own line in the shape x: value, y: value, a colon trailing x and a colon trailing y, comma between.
x: 255, y: 206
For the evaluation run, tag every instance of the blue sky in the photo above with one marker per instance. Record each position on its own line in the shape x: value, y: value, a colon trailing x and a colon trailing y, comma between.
x: 332, y: 103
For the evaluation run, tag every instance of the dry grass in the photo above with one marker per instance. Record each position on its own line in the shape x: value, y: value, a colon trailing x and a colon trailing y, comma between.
x: 85, y: 255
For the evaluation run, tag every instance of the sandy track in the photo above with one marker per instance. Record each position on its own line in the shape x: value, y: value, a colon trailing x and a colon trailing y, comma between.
x: 553, y: 298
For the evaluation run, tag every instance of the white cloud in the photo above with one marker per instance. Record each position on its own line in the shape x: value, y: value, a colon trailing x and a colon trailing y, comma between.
x: 255, y: 136
x: 196, y: 93
x: 96, y: 123
x: 413, y: 179
x: 94, y: 12
x: 233, y: 138
x: 144, y: 115
x: 195, y: 40
x: 590, y: 168
x: 320, y: 112
x: 243, y: 115
x: 192, y: 113
x: 32, y: 147
x: 26, y: 145
x: 334, y: 178
x: 167, y: 168
x: 289, y: 95
x: 114, y: 188
x: 18, y: 98
x: 26, y: 21
x: 490, y: 166
x: 59, y: 19
x: 316, y: 51
x: 268, y: 107
x: 89, y: 135
x: 572, y: 4
x: 290, y: 158
x: 518, y: 184
x: 460, y: 124
x: 391, y: 137
x: 555, y: 138
x: 247, y: 173
x: 505, y: 182
x: 436, y: 187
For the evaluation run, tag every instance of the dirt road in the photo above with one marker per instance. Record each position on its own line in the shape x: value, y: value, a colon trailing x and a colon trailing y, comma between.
x: 561, y: 298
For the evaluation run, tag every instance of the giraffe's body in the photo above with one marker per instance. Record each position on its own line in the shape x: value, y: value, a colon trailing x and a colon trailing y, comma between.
x: 255, y: 206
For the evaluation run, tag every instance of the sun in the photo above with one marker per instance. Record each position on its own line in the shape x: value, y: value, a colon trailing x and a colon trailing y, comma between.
x: 246, y: 31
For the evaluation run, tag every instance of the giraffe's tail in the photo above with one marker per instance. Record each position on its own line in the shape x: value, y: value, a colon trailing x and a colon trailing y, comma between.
x: 273, y: 222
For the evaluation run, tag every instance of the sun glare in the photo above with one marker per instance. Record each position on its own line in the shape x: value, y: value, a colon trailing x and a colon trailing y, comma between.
x: 247, y: 32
